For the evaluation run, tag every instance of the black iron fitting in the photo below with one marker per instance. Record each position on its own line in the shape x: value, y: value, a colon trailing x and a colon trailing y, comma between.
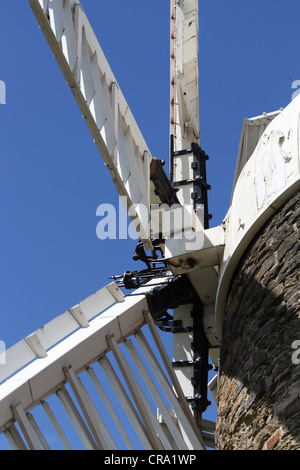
x: 179, y: 291
x: 199, y: 180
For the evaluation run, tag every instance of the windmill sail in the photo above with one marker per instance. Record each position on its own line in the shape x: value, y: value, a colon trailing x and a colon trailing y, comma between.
x: 66, y: 354
x: 184, y: 116
x: 42, y: 367
x: 102, y: 104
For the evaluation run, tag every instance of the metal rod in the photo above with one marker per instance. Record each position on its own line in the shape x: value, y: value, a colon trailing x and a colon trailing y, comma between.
x: 132, y: 385
x: 56, y: 425
x: 85, y: 404
x: 156, y: 396
x: 14, y: 438
x: 106, y: 434
x: 193, y: 440
x: 76, y: 419
x: 38, y: 432
x: 25, y: 427
x: 148, y: 383
x: 125, y: 402
x: 109, y: 407
x: 187, y: 415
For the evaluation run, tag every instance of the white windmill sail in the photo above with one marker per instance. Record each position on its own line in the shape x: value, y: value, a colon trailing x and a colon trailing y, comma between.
x: 184, y: 99
x: 53, y: 359
x: 101, y: 102
x: 76, y: 353
x: 185, y: 120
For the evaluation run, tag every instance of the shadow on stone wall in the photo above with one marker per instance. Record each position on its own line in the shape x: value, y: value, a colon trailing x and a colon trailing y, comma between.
x: 259, y: 391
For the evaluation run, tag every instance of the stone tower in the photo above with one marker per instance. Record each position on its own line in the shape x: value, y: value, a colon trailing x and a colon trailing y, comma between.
x: 259, y: 383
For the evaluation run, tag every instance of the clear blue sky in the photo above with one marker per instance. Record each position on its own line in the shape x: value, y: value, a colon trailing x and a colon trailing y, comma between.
x: 52, y: 177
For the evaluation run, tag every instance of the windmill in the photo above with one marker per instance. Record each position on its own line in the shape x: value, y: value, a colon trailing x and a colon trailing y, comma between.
x: 186, y: 268
x: 141, y: 182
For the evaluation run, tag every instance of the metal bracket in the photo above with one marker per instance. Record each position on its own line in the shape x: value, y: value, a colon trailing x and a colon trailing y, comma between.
x: 198, y: 179
x: 182, y: 364
x: 200, y: 185
x: 179, y: 291
x: 200, y: 348
x: 172, y: 326
x: 199, y: 194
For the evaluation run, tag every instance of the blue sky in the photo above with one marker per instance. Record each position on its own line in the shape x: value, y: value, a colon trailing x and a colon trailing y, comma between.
x: 52, y: 177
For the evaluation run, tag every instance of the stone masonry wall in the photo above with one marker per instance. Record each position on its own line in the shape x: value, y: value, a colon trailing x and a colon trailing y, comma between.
x: 259, y: 387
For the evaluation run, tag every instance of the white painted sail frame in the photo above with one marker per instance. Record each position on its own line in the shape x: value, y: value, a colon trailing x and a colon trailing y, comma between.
x: 75, y: 357
x: 101, y: 102
x: 185, y: 114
